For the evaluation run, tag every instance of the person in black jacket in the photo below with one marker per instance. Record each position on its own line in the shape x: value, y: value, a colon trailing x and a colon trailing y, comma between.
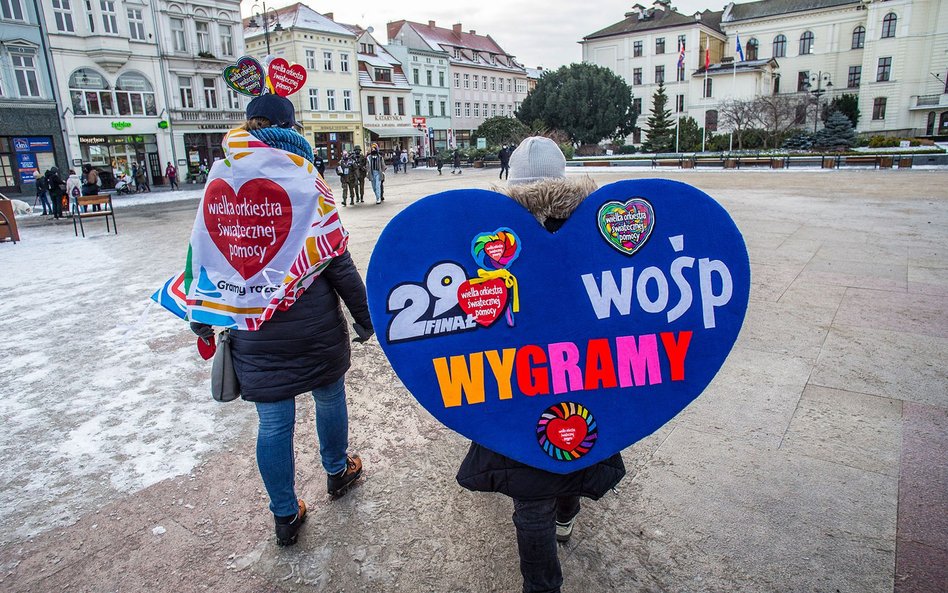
x: 504, y: 156
x: 545, y: 504
x: 302, y: 348
x: 57, y: 188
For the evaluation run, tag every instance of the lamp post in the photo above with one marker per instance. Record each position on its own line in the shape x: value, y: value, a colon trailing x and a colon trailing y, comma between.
x: 260, y: 9
x: 821, y: 80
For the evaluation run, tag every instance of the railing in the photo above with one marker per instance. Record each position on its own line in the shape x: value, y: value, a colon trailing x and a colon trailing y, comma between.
x: 202, y: 115
x: 930, y: 100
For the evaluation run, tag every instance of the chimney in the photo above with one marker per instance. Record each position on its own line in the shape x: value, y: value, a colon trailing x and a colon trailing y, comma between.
x: 329, y: 16
x: 636, y: 11
x: 457, y: 29
x: 432, y: 24
x: 473, y: 32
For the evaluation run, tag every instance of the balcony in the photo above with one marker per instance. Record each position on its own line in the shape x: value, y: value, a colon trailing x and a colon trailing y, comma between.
x: 937, y: 101
x: 202, y: 115
x: 108, y: 51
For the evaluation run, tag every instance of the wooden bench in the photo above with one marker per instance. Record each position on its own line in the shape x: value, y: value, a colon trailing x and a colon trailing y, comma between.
x: 79, y: 213
x: 861, y: 160
x: 666, y: 162
x: 754, y: 161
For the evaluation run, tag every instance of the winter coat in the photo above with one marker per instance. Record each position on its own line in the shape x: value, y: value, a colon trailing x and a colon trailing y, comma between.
x: 73, y: 187
x: 305, y: 346
x: 457, y: 158
x: 359, y: 162
x: 551, y: 202
x: 376, y: 162
x: 504, y: 156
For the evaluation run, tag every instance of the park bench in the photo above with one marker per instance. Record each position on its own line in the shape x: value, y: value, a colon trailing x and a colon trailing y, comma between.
x: 80, y: 212
x: 859, y: 160
x: 708, y: 161
x: 804, y: 161
x: 596, y: 163
x: 754, y: 161
x: 666, y: 162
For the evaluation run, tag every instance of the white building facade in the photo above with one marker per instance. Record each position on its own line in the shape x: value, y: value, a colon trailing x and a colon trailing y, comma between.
x: 429, y: 75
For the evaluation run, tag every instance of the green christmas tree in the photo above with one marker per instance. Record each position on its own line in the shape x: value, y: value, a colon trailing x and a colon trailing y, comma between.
x: 660, y: 127
x: 838, y: 134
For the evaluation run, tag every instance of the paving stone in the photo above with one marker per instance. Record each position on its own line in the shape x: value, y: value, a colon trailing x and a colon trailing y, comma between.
x: 915, y: 313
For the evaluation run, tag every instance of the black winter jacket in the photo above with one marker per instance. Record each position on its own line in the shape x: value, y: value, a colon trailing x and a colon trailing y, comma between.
x: 306, y: 346
x: 486, y: 471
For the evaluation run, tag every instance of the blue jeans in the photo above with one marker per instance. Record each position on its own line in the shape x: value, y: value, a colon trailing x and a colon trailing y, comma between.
x: 536, y: 540
x: 44, y: 197
x: 275, y: 457
x: 377, y: 184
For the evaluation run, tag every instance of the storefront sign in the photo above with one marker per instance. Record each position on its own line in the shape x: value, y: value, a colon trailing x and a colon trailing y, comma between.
x: 91, y: 139
x: 33, y: 144
x: 194, y: 157
x: 332, y: 136
x: 419, y: 121
x: 121, y: 125
x: 26, y: 163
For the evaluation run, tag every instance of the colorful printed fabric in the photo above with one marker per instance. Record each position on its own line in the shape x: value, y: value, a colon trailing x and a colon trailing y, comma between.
x: 265, y: 229
x: 285, y: 139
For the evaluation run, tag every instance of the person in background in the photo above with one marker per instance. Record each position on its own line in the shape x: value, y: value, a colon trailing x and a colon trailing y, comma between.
x: 141, y: 179
x: 545, y: 504
x: 344, y: 171
x: 90, y: 183
x: 439, y: 161
x: 396, y: 159
x: 57, y: 188
x: 73, y: 190
x: 172, y: 174
x: 320, y: 165
x: 361, y: 170
x: 404, y: 160
x: 457, y: 163
x: 376, y: 168
x: 42, y: 192
x: 504, y: 156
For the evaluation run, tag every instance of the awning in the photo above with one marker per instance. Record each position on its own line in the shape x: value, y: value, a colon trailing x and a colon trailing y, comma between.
x: 395, y: 132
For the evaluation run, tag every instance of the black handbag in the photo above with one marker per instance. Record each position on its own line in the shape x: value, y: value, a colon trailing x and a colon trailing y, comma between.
x: 224, y: 384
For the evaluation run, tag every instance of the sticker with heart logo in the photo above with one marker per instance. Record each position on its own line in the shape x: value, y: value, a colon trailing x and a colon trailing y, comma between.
x: 246, y: 77
x: 250, y: 226
x: 286, y: 78
x: 626, y: 226
x: 497, y: 250
x: 603, y: 352
x: 484, y: 300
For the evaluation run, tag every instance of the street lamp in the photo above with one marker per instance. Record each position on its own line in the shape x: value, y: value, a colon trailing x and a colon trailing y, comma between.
x: 819, y: 80
x: 260, y: 9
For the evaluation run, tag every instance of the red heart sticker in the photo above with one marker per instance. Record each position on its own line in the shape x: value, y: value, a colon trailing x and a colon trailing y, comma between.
x: 485, y: 301
x: 286, y: 78
x: 566, y: 434
x: 249, y: 227
x: 495, y: 249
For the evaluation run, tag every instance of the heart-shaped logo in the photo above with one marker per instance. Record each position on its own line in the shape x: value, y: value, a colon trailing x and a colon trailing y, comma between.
x: 627, y: 226
x: 286, y: 78
x: 248, y: 227
x: 483, y: 300
x: 245, y: 77
x: 605, y: 349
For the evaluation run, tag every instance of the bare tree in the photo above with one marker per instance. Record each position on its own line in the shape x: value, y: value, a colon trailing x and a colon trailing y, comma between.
x: 778, y: 114
x: 738, y: 115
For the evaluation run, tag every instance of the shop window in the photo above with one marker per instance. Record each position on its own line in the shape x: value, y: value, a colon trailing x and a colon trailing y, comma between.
x: 185, y: 92
x: 859, y: 37
x: 780, y: 46
x: 806, y: 43
x: 24, y: 69
x: 888, y: 25
x: 109, y: 20
x: 62, y: 12
x: 136, y: 24
x: 227, y: 39
x: 210, y: 92
x: 90, y: 93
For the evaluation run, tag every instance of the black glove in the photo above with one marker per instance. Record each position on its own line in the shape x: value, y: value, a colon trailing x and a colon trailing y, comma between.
x: 202, y: 330
x: 363, y: 333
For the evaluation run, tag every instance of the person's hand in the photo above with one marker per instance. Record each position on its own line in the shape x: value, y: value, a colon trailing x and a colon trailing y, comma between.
x: 202, y: 330
x: 363, y: 334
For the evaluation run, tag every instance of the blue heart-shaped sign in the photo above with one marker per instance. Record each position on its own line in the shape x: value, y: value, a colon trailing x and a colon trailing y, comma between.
x: 559, y: 349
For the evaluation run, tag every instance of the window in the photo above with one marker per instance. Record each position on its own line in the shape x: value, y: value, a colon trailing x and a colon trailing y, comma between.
x: 386, y: 106
x: 327, y: 61
x: 233, y: 99
x: 637, y: 105
x: 343, y: 62
x: 637, y: 49
x: 63, y: 14
x: 707, y: 86
x: 185, y: 94
x: 681, y: 74
x: 660, y: 45
x: 855, y: 77
x: 467, y: 81
x: 414, y: 76
x: 493, y: 83
x: 521, y: 86
x: 90, y: 93
x: 431, y: 109
x: 428, y: 77
x: 383, y: 75
x: 776, y: 84
x: 803, y: 81
x: 227, y: 39
x: 636, y: 76
x: 347, y: 100
x: 780, y: 46
x: 24, y: 68
x: 210, y: 92
x: 806, y: 43
x: 400, y: 101
x: 878, y: 108
x: 330, y: 100
x: 202, y: 30
x: 314, y: 99
x: 440, y: 78
x: 477, y: 110
x: 370, y: 105
x: 310, y: 59
x: 888, y: 25
x: 457, y: 80
x: 134, y: 95
x: 711, y: 120
x: 444, y: 109
x: 659, y: 74
x: 884, y: 69
x: 681, y: 42
x: 679, y: 103
x: 367, y: 48
x: 109, y: 20
x: 859, y: 37
x: 11, y: 10
x: 467, y: 110
x: 750, y: 50
x: 493, y: 110
x: 89, y: 15
x: 943, y: 122
x: 177, y: 35
x: 509, y: 85
x: 417, y: 106
x: 136, y: 24
x: 476, y: 82
x: 457, y: 109
x: 457, y: 53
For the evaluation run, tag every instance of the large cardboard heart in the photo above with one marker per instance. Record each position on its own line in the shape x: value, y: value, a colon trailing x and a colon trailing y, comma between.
x: 250, y: 226
x: 286, y: 78
x: 619, y: 341
x: 245, y: 77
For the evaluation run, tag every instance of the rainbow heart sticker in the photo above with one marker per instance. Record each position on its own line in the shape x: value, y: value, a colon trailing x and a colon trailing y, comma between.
x: 497, y: 250
x: 246, y: 77
x: 626, y: 226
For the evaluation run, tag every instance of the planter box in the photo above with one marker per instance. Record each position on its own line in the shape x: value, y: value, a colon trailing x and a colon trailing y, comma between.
x: 730, y: 164
x: 687, y: 164
x: 776, y: 163
x: 905, y: 163
x: 478, y: 164
x: 829, y: 163
x: 885, y: 162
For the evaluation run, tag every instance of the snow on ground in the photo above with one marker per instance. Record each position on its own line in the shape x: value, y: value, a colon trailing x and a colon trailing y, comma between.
x: 96, y: 397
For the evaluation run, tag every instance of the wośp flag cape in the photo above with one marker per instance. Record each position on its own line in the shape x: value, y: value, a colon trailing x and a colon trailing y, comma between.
x: 265, y: 228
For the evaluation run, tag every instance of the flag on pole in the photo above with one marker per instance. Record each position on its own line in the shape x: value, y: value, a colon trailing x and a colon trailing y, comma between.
x: 740, y: 50
x: 707, y: 53
x: 681, y: 54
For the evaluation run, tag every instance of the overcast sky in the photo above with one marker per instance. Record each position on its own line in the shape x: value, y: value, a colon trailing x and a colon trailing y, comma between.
x: 538, y: 32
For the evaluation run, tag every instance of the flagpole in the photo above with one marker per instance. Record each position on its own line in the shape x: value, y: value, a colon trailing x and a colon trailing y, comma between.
x: 704, y: 128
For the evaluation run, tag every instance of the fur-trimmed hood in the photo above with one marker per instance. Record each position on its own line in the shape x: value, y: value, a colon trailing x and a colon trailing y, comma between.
x: 551, y: 198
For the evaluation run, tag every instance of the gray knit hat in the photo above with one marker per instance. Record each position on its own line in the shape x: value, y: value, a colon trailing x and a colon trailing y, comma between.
x: 536, y: 158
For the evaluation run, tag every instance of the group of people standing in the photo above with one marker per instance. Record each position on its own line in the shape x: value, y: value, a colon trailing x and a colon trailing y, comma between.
x: 354, y: 168
x: 55, y: 193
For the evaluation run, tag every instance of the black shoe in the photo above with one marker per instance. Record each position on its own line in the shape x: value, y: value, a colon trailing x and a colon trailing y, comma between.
x: 338, y: 484
x: 288, y: 528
